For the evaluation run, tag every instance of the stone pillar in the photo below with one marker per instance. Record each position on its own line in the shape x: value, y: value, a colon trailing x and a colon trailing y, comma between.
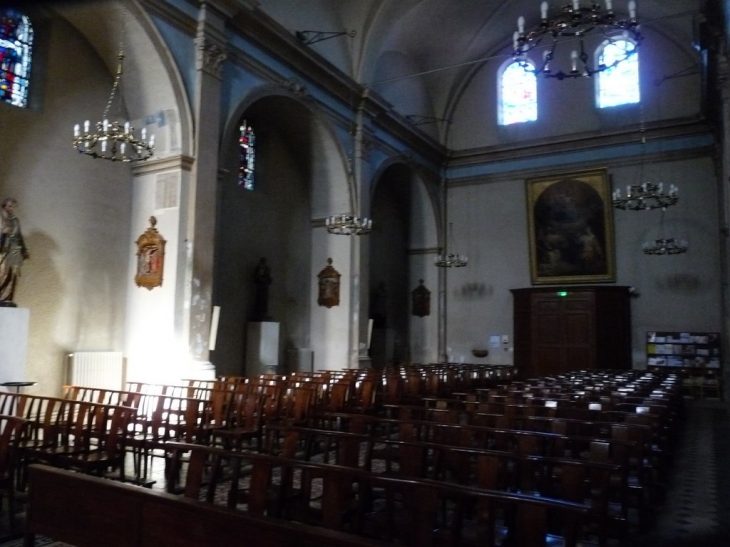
x: 200, y: 201
x: 442, y: 280
x: 723, y: 82
x: 357, y: 353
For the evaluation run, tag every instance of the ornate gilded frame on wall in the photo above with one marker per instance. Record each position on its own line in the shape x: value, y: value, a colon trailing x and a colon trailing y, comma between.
x: 329, y: 286
x: 150, y: 257
x: 570, y: 223
x: 421, y: 300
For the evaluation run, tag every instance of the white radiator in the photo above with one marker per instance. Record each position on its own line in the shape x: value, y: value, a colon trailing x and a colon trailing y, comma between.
x: 102, y: 369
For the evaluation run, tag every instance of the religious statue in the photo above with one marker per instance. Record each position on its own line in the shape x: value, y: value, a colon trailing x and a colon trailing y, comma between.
x: 12, y: 252
x: 262, y: 279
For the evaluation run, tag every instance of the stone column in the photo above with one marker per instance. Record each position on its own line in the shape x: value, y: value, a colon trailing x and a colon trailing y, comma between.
x: 723, y: 82
x: 200, y: 202
x: 360, y: 249
x: 442, y: 279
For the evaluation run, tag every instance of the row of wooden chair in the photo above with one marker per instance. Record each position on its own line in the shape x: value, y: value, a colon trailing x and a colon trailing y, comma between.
x: 386, y: 508
x: 597, y: 480
x: 237, y: 416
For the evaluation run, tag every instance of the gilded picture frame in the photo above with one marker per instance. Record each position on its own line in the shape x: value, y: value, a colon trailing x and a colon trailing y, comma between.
x: 570, y: 223
x: 150, y: 257
x: 421, y: 300
x: 329, y: 286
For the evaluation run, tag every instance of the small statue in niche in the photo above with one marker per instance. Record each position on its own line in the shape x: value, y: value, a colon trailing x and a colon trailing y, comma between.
x: 262, y: 280
x: 329, y: 286
x: 379, y: 307
x: 421, y: 300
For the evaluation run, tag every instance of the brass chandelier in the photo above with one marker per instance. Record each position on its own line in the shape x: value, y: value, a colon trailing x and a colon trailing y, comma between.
x: 450, y: 259
x: 348, y: 225
x: 664, y: 245
x: 573, y: 22
x: 113, y: 140
x: 646, y: 196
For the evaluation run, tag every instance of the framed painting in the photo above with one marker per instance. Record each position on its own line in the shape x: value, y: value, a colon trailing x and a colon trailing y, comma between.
x: 150, y: 257
x: 570, y: 223
x: 329, y: 286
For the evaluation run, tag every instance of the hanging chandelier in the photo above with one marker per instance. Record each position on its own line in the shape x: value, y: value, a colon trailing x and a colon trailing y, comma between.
x: 450, y: 260
x: 664, y: 245
x: 348, y: 225
x: 646, y: 196
x: 113, y: 140
x: 571, y: 23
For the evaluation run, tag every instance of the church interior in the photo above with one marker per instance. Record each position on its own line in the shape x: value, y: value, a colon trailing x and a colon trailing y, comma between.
x: 495, y: 194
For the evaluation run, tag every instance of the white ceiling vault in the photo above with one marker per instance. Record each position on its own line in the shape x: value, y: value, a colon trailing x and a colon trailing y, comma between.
x: 440, y: 43
x: 418, y: 55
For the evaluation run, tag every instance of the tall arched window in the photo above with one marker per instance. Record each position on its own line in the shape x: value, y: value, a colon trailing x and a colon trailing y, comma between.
x: 618, y: 84
x: 16, y: 45
x: 517, y: 95
x: 247, y: 155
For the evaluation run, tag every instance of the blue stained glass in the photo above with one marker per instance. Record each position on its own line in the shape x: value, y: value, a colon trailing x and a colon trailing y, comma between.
x: 618, y: 84
x: 518, y: 97
x: 247, y: 156
x: 16, y: 43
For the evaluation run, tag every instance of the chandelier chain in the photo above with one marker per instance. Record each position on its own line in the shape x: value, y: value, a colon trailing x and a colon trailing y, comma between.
x: 112, y: 140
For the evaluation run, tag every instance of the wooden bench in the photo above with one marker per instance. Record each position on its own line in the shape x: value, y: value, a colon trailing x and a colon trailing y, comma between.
x: 407, y: 510
x: 88, y: 511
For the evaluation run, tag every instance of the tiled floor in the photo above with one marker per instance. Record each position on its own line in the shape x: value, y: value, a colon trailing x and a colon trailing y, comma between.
x: 696, y: 509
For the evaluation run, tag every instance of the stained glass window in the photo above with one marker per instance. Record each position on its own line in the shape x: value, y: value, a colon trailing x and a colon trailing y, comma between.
x: 518, y: 95
x: 16, y: 43
x: 618, y: 84
x: 247, y: 156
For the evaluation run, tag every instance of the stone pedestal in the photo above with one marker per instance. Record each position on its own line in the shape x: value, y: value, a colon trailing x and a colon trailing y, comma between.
x: 382, y: 347
x: 262, y: 347
x: 299, y: 360
x: 14, y: 343
x: 199, y: 370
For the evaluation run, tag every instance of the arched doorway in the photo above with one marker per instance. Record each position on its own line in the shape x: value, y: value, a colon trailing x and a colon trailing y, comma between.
x: 299, y: 173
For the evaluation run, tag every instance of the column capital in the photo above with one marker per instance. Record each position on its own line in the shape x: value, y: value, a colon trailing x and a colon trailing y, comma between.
x: 209, y: 56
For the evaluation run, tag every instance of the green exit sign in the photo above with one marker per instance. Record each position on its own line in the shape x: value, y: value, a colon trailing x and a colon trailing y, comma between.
x: 562, y: 293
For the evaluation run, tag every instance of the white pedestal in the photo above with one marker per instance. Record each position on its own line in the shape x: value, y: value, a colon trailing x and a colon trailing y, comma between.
x: 14, y: 343
x: 262, y: 347
x: 199, y: 370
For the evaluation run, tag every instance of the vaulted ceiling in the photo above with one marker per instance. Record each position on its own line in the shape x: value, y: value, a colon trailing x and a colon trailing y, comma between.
x: 417, y: 54
x: 429, y: 48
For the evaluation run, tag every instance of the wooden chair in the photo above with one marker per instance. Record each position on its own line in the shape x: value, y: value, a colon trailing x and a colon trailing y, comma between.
x: 106, y: 444
x: 250, y: 410
x: 13, y: 431
x: 169, y: 419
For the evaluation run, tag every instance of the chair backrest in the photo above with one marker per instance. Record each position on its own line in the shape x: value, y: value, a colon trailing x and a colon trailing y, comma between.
x: 12, y: 429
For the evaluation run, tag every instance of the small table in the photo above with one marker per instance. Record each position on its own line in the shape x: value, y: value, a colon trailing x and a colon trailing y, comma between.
x: 18, y: 385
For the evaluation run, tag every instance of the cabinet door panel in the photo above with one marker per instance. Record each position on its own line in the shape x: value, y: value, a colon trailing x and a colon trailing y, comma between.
x: 548, y: 329
x: 578, y: 329
x: 548, y: 360
x: 584, y: 328
x: 577, y: 358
